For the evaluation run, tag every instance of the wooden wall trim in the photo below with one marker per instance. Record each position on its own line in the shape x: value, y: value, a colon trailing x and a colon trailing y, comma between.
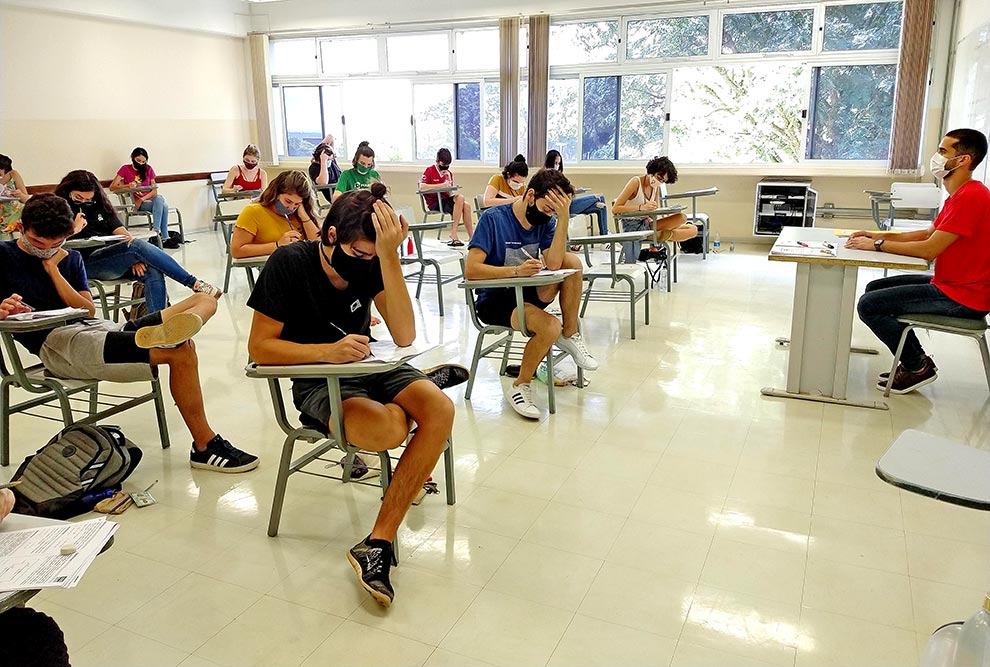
x: 159, y: 178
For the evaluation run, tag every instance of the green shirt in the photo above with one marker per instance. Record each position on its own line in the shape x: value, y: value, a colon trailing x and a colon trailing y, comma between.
x: 352, y: 180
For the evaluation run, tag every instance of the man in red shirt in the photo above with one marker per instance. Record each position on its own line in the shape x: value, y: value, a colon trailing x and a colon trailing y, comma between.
x: 958, y: 241
x: 438, y: 176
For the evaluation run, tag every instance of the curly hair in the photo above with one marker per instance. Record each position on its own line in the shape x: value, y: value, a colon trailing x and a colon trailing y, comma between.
x: 48, y: 216
x: 661, y: 164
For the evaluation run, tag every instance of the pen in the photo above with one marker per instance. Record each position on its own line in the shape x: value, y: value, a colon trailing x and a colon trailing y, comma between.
x: 803, y: 244
x: 9, y: 485
x: 338, y: 329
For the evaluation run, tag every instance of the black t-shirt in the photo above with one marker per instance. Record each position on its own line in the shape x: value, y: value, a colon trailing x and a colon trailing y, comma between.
x: 294, y: 290
x: 314, y: 171
x: 21, y: 273
x: 97, y: 224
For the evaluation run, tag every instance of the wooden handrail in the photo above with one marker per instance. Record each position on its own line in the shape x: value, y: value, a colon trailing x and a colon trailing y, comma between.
x: 160, y: 178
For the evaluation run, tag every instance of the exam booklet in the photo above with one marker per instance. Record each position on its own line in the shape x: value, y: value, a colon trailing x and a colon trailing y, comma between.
x: 804, y: 248
x: 386, y: 350
x: 42, y: 314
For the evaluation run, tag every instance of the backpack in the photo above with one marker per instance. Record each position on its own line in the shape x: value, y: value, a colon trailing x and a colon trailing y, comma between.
x: 81, y: 460
x: 695, y: 245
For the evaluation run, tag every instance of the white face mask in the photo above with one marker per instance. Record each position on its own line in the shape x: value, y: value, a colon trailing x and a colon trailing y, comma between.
x: 516, y: 186
x: 937, y: 165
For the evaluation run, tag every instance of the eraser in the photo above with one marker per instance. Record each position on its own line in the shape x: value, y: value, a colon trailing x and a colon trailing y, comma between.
x: 68, y: 549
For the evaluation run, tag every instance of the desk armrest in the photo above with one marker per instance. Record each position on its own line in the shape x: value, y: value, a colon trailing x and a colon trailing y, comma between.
x: 663, y: 211
x: 13, y: 326
x: 692, y: 193
x: 531, y: 281
x: 620, y: 237
x: 355, y: 369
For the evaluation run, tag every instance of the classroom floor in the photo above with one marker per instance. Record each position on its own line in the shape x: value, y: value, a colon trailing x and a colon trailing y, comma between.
x: 667, y: 514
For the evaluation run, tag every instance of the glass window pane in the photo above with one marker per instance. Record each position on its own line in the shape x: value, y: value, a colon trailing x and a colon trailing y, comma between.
x: 875, y: 25
x: 386, y: 126
x: 601, y: 116
x: 292, y: 56
x: 523, y: 46
x: 739, y: 114
x: 524, y: 115
x: 767, y: 32
x: 418, y: 53
x: 677, y: 37
x: 476, y: 50
x: 468, y: 115
x: 333, y: 110
x: 579, y: 43
x: 642, y: 116
x: 434, y: 103
x: 852, y: 112
x: 562, y: 117
x: 349, y: 56
x: 278, y: 120
x: 492, y: 129
x: 303, y: 124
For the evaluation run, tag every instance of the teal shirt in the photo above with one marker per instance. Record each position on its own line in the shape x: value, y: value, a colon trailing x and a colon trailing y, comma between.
x: 352, y: 180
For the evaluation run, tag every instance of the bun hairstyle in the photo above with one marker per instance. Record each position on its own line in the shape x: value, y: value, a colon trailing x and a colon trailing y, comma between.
x: 517, y: 167
x: 351, y: 213
x: 661, y: 164
x: 142, y: 170
x: 290, y: 182
x: 81, y: 180
x: 363, y: 150
x: 251, y: 149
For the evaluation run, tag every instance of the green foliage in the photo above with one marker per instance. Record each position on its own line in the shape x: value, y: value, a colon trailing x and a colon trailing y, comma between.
x: 867, y: 26
x: 767, y: 32
x: 853, y: 112
x: 668, y: 37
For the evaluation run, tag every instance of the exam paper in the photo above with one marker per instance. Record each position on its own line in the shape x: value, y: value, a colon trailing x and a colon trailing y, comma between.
x: 804, y: 248
x: 558, y: 272
x: 32, y: 558
x: 42, y: 314
x: 386, y: 350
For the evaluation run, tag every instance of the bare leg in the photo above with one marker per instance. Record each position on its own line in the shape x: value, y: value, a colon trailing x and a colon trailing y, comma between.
x: 545, y: 329
x: 458, y: 211
x: 570, y: 294
x: 468, y: 224
x: 183, y: 383
x: 374, y: 426
x: 203, y: 305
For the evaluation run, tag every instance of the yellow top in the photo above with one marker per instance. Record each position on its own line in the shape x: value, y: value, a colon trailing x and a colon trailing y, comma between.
x: 266, y: 225
x: 499, y: 183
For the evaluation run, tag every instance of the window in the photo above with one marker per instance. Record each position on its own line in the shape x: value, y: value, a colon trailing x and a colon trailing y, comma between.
x: 418, y: 53
x: 678, y: 37
x: 434, y: 112
x: 852, y: 112
x: 599, y: 136
x: 333, y: 118
x: 279, y: 120
x: 739, y: 114
x: 303, y: 120
x: 524, y: 116
x: 292, y: 56
x: 642, y: 115
x: 869, y: 26
x: 476, y: 50
x: 581, y: 43
x: 386, y: 126
x: 349, y: 56
x: 468, y: 120
x: 492, y: 121
x: 562, y: 117
x: 767, y: 32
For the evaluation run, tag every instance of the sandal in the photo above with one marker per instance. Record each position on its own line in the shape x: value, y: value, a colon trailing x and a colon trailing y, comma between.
x: 454, y: 243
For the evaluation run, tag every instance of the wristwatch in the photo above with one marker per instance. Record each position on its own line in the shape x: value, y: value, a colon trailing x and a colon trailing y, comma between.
x: 878, y: 245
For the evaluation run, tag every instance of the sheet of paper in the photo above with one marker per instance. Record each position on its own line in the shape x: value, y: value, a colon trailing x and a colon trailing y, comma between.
x: 386, y: 350
x: 558, y: 272
x: 41, y: 314
x: 110, y: 237
x: 804, y: 248
x: 32, y: 558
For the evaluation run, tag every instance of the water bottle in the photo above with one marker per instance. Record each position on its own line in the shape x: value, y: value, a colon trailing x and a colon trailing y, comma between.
x: 732, y: 246
x: 717, y: 245
x: 973, y: 645
x: 941, y: 647
x: 93, y: 498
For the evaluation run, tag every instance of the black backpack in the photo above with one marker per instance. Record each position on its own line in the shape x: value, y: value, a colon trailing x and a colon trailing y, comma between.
x: 81, y: 460
x: 694, y: 246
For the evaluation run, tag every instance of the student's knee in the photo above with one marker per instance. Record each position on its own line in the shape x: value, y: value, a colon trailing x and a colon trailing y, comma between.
x: 688, y: 232
x: 458, y: 200
x: 548, y: 328
x: 204, y: 303
x: 868, y: 306
x: 571, y: 261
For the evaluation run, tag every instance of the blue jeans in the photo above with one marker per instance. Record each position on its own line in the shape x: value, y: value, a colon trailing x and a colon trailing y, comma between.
x: 888, y: 298
x: 589, y: 204
x: 159, y: 214
x: 630, y: 249
x: 115, y: 261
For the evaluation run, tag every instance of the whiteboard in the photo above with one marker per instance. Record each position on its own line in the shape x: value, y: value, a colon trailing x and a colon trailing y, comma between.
x: 969, y: 102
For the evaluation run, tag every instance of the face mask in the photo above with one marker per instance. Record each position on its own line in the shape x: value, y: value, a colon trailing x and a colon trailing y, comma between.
x: 937, y: 165
x: 655, y: 182
x: 362, y: 169
x: 348, y: 267
x: 282, y: 209
x: 250, y: 165
x: 77, y: 206
x: 536, y: 217
x: 443, y: 167
x: 557, y: 166
x: 137, y: 165
x: 40, y: 253
x: 516, y: 186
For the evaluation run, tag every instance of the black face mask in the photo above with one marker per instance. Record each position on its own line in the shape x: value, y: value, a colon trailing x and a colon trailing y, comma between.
x: 347, y: 267
x: 78, y: 206
x: 536, y: 217
x: 443, y: 167
x: 137, y: 165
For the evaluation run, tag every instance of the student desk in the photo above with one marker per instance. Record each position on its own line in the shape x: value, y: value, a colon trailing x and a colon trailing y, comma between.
x: 433, y: 260
x: 581, y: 191
x: 90, y: 242
x: 7, y: 199
x: 822, y: 318
x: 240, y: 194
x: 433, y: 191
x: 694, y: 194
x: 662, y: 212
x: 130, y: 191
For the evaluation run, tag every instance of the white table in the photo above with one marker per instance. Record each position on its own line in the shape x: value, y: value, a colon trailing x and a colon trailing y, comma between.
x: 822, y: 318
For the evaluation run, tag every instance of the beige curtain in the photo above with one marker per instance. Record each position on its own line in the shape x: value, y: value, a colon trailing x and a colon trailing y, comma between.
x: 261, y: 84
x: 912, y: 83
x: 539, y: 75
x: 508, y: 38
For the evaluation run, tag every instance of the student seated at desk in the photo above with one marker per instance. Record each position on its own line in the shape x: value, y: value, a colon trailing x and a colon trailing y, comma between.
x: 284, y: 214
x: 36, y: 272
x: 139, y: 174
x: 354, y: 263
x: 959, y: 243
x: 323, y: 167
x: 642, y: 193
x: 508, y: 186
x: 249, y: 177
x: 438, y: 175
x: 362, y: 173
x: 521, y: 240
x: 130, y: 258
x: 581, y: 204
x: 11, y: 185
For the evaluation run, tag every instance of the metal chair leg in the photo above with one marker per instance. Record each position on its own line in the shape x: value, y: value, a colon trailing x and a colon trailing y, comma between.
x: 897, y: 359
x: 448, y: 471
x: 281, y: 481
x: 985, y: 353
x: 156, y: 386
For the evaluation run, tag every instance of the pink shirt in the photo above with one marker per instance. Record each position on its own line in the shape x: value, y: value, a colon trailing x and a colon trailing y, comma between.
x: 131, y: 179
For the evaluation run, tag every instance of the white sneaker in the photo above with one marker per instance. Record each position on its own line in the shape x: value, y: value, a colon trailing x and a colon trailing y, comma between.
x: 520, y: 397
x: 575, y: 347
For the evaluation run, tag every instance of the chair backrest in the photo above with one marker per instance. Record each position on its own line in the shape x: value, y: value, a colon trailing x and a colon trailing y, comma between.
x: 479, y: 205
x: 916, y: 195
x: 662, y: 201
x: 422, y: 201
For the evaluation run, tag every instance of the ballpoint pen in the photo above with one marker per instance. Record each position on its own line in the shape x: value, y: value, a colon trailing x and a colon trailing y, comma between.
x: 9, y: 485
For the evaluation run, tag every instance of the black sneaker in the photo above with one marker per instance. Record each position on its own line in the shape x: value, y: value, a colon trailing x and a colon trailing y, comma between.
x: 882, y: 377
x: 371, y: 560
x: 221, y: 456
x: 446, y: 376
x: 906, y: 381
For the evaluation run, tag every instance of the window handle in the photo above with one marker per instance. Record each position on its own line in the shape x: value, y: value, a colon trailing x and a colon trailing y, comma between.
x: 667, y: 117
x: 804, y: 114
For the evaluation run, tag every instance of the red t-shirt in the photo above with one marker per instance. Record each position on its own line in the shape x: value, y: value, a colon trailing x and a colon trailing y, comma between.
x: 433, y: 176
x: 962, y: 271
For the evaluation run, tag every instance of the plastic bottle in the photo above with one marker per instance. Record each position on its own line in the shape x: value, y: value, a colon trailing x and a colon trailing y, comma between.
x: 93, y: 498
x: 973, y: 645
x: 941, y: 647
x: 732, y: 246
x: 717, y: 245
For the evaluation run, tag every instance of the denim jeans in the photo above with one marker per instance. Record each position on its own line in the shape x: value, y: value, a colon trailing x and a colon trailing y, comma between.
x: 159, y: 214
x: 115, y: 261
x: 630, y: 249
x: 589, y: 204
x: 888, y: 298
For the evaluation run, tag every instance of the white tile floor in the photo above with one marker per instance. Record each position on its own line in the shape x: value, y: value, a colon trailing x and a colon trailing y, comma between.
x: 667, y: 514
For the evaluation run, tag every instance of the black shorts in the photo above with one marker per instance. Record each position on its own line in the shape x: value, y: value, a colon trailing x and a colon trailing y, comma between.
x: 447, y: 205
x: 312, y: 398
x: 495, y: 307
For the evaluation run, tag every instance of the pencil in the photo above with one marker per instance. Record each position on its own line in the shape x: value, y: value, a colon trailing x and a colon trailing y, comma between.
x: 9, y: 485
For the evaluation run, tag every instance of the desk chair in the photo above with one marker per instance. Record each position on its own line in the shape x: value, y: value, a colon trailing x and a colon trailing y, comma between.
x: 51, y: 391
x: 924, y: 199
x: 318, y: 434
x: 111, y: 301
x: 433, y: 260
x: 695, y: 217
x: 960, y: 326
x: 322, y: 205
x: 479, y: 206
x: 216, y: 181
x: 617, y: 273
x: 129, y: 211
x: 427, y: 211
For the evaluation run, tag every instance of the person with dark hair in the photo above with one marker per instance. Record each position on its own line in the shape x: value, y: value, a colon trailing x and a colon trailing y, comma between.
x: 139, y: 174
x: 39, y: 274
x: 508, y: 186
x: 361, y: 174
x: 355, y: 262
x: 323, y: 167
x: 129, y: 258
x: 11, y: 187
x: 250, y: 176
x: 582, y: 204
x: 959, y: 243
x: 285, y: 213
x: 438, y: 175
x: 642, y: 193
x: 521, y: 240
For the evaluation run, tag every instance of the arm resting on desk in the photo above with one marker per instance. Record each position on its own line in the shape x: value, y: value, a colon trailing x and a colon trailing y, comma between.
x: 266, y: 347
x: 476, y: 269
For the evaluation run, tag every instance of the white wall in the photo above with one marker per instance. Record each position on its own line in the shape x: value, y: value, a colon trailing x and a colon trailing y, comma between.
x: 81, y: 92
x: 968, y: 102
x: 228, y: 17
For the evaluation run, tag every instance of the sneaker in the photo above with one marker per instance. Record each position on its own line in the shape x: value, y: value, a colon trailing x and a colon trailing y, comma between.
x: 221, y: 456
x: 882, y: 377
x: 520, y: 397
x: 204, y: 287
x: 446, y: 376
x: 906, y: 381
x: 173, y: 332
x: 371, y: 560
x: 575, y: 347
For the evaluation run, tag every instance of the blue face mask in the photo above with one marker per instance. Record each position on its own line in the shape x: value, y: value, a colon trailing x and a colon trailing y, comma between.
x: 282, y: 208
